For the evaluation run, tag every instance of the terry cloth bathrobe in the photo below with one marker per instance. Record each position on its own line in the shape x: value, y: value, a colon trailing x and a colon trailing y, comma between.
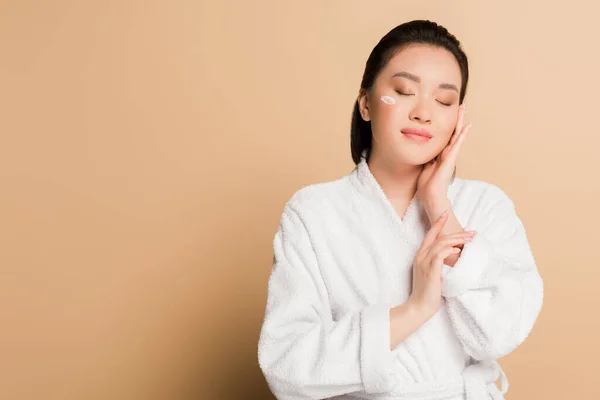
x: 343, y: 257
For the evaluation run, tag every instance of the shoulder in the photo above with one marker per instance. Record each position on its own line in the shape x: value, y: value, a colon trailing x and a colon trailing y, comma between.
x: 486, y: 208
x: 475, y: 193
x: 319, y: 197
x: 310, y: 206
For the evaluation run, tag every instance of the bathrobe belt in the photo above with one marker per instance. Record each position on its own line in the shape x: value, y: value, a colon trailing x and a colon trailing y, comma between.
x: 476, y: 383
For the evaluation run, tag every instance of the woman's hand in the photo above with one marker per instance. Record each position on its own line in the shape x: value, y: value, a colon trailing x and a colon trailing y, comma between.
x: 432, y: 186
x: 426, y: 291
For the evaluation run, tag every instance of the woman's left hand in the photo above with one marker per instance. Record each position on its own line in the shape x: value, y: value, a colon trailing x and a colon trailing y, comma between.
x: 432, y: 186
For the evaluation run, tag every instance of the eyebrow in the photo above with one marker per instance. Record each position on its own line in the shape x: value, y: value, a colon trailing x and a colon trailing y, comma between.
x: 417, y: 79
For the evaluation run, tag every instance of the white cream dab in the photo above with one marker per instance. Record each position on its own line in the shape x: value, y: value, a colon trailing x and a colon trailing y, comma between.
x: 388, y: 100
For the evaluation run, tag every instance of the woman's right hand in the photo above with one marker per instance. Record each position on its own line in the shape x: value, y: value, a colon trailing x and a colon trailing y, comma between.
x: 426, y: 292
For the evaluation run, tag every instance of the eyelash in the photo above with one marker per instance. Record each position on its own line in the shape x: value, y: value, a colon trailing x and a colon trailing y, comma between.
x: 408, y: 94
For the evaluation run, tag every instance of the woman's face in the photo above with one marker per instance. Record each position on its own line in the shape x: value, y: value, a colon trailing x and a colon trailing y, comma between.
x: 423, y: 83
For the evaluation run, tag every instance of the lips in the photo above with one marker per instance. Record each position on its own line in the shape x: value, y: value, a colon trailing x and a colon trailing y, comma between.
x: 417, y: 132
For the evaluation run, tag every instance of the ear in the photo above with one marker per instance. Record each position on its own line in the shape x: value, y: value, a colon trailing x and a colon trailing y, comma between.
x: 363, y: 105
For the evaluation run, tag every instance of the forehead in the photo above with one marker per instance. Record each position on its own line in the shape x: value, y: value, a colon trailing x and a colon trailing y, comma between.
x: 431, y: 64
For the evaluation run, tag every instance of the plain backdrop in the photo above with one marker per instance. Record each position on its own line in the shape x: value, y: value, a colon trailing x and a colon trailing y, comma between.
x: 147, y: 149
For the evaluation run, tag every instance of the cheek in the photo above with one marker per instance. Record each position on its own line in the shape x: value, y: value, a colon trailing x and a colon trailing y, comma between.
x: 445, y: 130
x: 387, y: 114
x: 448, y: 126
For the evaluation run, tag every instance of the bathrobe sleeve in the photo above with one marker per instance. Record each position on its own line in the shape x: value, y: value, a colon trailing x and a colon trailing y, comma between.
x: 494, y: 292
x: 302, y: 351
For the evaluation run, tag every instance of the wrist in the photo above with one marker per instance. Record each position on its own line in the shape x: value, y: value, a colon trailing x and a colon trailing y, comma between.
x: 435, y: 209
x: 405, y: 319
x: 418, y: 312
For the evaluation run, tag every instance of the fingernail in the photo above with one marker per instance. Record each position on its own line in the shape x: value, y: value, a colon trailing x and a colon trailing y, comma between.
x: 444, y: 214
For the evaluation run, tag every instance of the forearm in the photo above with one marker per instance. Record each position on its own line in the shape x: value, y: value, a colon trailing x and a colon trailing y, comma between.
x: 452, y: 225
x: 404, y: 320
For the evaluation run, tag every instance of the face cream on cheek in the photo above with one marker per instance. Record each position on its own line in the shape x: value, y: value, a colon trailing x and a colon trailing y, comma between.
x: 388, y: 100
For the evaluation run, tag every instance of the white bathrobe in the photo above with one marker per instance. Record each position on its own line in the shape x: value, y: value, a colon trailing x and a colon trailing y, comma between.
x: 343, y: 257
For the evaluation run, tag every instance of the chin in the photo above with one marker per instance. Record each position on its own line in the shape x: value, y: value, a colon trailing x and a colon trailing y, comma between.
x: 414, y: 159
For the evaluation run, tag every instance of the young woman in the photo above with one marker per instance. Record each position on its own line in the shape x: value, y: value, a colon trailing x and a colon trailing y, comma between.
x: 398, y: 280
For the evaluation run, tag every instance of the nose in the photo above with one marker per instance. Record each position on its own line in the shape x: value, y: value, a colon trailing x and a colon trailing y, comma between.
x: 420, y: 113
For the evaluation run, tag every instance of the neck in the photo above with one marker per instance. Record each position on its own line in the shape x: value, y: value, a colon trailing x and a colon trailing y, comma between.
x: 398, y: 181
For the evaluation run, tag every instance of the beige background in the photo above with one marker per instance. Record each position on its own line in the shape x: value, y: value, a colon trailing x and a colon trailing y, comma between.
x: 147, y: 149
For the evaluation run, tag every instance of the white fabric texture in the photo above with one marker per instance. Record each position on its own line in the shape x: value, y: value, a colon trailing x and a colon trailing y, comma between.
x: 343, y: 257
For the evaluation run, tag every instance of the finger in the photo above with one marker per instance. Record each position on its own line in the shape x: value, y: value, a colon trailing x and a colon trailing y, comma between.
x: 435, y: 230
x: 452, y: 242
x: 453, y: 239
x: 458, y: 234
x: 435, y: 260
x: 459, y: 124
x: 458, y: 145
x: 454, y: 137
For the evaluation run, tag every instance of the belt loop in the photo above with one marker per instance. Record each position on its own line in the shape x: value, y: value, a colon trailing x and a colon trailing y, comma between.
x: 503, y: 379
x: 479, y: 375
x: 475, y: 385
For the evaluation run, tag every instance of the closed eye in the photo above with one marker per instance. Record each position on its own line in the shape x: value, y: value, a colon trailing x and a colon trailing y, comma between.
x: 412, y: 94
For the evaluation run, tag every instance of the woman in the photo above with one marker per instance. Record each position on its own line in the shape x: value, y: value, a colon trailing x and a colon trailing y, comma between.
x: 398, y: 280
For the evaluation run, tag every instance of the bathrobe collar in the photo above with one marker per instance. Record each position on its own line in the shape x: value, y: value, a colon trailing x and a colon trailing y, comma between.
x: 366, y: 184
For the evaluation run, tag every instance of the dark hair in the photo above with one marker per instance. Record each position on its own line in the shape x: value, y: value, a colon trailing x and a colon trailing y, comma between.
x: 409, y: 33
